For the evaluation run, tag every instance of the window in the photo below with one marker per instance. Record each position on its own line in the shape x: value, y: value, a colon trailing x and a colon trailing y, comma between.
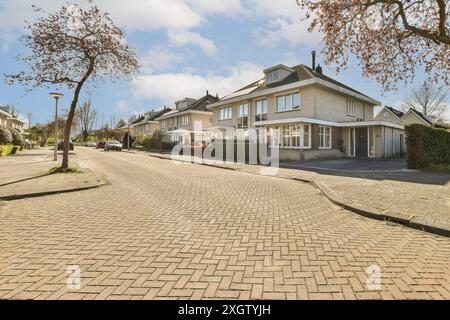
x: 350, y: 107
x: 261, y: 110
x: 324, y: 137
x: 274, y: 137
x: 288, y: 102
x: 226, y: 113
x: 296, y: 100
x: 286, y: 136
x: 291, y: 136
x: 185, y: 120
x: 280, y: 103
x: 352, y: 142
x: 371, y: 142
x: 296, y: 134
x: 306, y: 135
x: 273, y: 76
x: 243, y: 110
x: 163, y: 124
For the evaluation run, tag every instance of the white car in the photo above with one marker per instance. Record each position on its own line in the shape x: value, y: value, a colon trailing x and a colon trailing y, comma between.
x: 91, y: 144
x: 113, y: 145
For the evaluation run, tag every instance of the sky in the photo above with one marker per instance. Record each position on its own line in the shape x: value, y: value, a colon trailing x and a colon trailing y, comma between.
x: 185, y: 47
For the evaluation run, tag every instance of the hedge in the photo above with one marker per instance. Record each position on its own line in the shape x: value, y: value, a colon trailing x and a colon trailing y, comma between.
x: 427, y: 147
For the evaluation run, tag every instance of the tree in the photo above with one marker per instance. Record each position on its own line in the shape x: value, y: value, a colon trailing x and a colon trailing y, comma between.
x: 87, y: 116
x: 391, y: 38
x: 428, y: 99
x: 121, y: 123
x: 73, y: 50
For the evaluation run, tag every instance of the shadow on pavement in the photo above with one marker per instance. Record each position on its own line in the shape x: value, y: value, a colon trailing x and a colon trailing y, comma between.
x: 372, y: 169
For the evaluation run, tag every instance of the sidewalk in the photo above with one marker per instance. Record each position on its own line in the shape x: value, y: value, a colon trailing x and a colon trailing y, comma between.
x: 25, y: 175
x: 419, y: 200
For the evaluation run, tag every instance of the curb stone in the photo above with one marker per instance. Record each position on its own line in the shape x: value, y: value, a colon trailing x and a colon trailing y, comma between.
x: 48, y: 193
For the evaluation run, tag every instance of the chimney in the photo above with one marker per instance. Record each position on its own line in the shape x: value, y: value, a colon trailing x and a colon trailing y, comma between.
x: 319, y: 69
x: 313, y: 53
x: 207, y: 92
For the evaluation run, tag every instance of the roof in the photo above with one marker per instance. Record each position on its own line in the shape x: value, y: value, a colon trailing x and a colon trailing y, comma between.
x: 300, y: 72
x: 420, y: 115
x: 150, y: 116
x: 396, y: 112
x: 199, y: 105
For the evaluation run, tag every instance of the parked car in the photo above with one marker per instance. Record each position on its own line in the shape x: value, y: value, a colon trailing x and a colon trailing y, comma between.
x: 61, y: 146
x: 91, y: 144
x: 101, y: 145
x: 113, y: 145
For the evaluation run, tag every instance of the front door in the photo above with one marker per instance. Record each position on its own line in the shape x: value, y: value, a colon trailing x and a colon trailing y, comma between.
x: 361, y: 142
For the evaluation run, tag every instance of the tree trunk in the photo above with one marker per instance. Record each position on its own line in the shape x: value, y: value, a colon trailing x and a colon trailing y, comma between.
x: 73, y: 106
x: 68, y: 128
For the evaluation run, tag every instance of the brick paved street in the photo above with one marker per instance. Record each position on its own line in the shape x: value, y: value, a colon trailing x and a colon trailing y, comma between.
x: 164, y: 230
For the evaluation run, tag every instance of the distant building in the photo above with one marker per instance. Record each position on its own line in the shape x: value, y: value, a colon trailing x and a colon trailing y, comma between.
x: 9, y: 120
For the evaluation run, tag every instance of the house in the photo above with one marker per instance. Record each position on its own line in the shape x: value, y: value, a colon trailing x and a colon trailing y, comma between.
x: 11, y: 121
x: 412, y: 116
x: 179, y: 124
x: 308, y: 115
x: 146, y: 124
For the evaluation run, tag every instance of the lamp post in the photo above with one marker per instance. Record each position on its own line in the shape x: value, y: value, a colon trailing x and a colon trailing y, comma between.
x: 56, y: 96
x: 128, y: 137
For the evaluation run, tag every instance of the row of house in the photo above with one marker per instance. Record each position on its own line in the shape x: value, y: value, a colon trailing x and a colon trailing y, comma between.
x: 301, y: 111
x: 9, y: 120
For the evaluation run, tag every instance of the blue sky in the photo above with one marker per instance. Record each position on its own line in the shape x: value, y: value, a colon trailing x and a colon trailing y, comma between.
x: 186, y: 47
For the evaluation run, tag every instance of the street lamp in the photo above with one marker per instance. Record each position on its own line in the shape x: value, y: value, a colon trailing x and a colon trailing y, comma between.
x: 56, y: 96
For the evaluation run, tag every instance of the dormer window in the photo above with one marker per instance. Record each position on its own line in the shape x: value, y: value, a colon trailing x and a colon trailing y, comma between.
x: 277, y: 73
x: 273, y: 76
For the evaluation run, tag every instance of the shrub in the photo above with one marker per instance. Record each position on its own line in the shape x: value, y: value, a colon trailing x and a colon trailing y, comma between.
x: 5, y: 150
x: 16, y: 149
x: 17, y: 138
x: 428, y: 148
x: 5, y: 136
x: 156, y: 142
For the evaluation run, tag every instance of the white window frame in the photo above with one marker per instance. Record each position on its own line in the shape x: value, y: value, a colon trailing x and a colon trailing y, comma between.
x: 322, y: 134
x: 350, y: 142
x: 368, y: 142
x: 284, y: 98
x: 350, y: 107
x: 280, y: 129
x: 264, y: 107
x: 226, y: 113
x: 243, y: 110
x: 185, y: 120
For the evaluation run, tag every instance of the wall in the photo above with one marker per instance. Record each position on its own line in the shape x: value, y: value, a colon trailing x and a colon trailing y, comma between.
x: 412, y: 118
x: 316, y: 103
x: 390, y: 117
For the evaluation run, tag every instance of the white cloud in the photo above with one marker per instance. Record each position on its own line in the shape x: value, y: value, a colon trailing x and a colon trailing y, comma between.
x: 170, y: 87
x: 283, y: 17
x: 159, y: 59
x: 284, y: 29
x: 7, y: 39
x: 183, y: 38
x: 224, y: 7
x: 134, y: 14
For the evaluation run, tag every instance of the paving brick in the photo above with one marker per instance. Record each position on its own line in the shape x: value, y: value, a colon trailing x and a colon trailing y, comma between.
x: 154, y: 234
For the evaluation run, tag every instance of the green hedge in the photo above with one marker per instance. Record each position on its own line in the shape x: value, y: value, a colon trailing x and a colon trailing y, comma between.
x: 427, y: 147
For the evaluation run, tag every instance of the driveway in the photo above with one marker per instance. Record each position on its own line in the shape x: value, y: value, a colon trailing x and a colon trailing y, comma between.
x: 350, y: 165
x: 166, y: 230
